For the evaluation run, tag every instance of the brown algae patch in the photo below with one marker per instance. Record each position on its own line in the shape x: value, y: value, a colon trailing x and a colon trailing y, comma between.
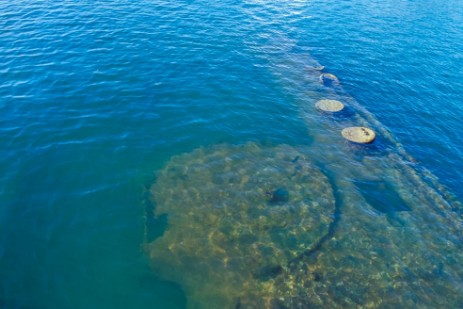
x: 237, y: 216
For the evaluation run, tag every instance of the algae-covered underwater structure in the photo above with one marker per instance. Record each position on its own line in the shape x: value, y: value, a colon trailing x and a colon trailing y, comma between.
x: 237, y: 216
x: 329, y: 224
x: 260, y: 227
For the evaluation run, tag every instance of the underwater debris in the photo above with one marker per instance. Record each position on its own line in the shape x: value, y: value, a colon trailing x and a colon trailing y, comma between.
x: 360, y: 135
x: 332, y: 106
x: 224, y: 241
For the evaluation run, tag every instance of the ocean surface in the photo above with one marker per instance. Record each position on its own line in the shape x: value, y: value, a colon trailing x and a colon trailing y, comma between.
x: 103, y: 103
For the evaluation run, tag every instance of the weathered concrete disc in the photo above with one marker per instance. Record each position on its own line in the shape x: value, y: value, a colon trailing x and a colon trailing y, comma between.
x: 330, y: 105
x: 359, y: 135
x: 329, y: 79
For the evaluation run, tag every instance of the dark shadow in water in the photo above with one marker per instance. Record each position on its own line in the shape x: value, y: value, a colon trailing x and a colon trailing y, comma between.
x: 382, y: 196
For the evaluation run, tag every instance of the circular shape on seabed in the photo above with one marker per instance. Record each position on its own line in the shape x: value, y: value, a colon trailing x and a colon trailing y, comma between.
x: 359, y: 135
x: 237, y: 216
x: 329, y: 79
x: 330, y: 105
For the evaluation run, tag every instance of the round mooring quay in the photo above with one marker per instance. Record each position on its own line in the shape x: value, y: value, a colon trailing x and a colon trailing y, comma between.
x: 331, y: 106
x: 360, y: 135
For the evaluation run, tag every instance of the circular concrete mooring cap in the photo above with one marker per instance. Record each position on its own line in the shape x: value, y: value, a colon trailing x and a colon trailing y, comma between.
x: 329, y: 105
x: 329, y: 79
x: 359, y: 135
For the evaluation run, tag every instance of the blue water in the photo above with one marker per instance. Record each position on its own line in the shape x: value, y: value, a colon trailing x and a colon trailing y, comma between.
x: 95, y: 96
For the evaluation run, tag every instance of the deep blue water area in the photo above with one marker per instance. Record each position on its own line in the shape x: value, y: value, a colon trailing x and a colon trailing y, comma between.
x: 96, y: 96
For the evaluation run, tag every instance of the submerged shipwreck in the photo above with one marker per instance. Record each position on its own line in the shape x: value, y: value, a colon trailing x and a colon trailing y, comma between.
x: 238, y: 216
x: 329, y: 224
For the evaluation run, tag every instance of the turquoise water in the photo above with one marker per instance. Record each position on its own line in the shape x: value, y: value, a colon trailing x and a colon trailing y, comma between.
x: 96, y: 97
